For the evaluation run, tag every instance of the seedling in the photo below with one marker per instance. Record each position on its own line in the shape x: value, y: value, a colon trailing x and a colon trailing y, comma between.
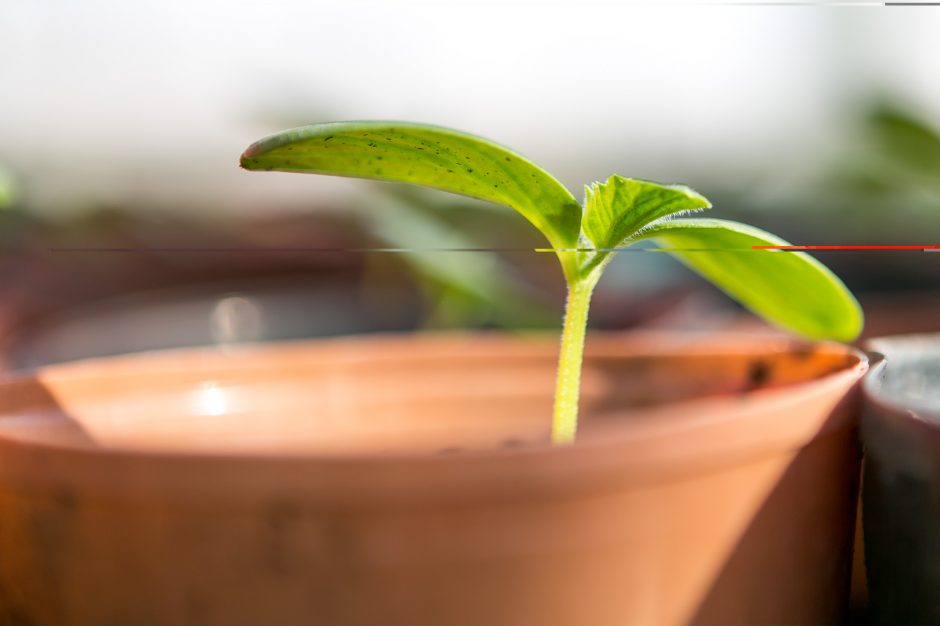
x: 790, y: 289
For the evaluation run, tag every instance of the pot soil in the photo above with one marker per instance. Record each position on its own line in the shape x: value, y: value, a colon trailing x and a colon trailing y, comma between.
x: 408, y: 481
x: 901, y: 496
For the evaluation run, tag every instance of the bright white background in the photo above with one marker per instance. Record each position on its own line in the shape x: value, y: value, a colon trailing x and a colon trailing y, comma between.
x: 149, y: 104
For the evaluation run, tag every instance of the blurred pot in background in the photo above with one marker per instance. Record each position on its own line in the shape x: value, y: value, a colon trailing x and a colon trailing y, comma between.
x: 117, y: 282
x: 901, y: 313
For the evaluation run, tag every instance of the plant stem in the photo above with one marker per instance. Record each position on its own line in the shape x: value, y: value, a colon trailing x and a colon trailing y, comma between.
x: 568, y: 386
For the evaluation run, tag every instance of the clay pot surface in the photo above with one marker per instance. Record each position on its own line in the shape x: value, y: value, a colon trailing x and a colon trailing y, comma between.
x: 901, y: 496
x: 409, y: 480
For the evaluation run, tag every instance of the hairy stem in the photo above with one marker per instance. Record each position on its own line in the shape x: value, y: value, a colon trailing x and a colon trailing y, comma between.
x: 568, y: 386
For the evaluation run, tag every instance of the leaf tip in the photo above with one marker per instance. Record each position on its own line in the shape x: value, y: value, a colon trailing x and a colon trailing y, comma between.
x: 846, y: 319
x: 248, y: 159
x: 591, y: 191
x: 696, y: 200
x: 854, y: 323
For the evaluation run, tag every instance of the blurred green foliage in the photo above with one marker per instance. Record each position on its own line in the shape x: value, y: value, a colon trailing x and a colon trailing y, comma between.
x: 7, y: 189
x: 448, y: 247
x: 895, y: 156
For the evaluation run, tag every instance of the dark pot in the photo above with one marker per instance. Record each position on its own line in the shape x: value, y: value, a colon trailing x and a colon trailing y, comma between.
x: 901, y: 493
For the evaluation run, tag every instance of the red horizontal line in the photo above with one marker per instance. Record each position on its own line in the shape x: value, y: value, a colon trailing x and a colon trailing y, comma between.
x: 846, y: 247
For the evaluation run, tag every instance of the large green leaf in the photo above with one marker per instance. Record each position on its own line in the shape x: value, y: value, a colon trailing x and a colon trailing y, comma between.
x: 430, y: 156
x: 791, y: 289
x: 617, y: 209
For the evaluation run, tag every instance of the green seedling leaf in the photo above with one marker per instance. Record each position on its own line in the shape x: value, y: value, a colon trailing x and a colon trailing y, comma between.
x: 430, y: 156
x: 791, y: 289
x: 614, y: 211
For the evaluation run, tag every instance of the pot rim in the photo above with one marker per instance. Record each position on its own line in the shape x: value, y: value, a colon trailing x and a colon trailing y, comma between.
x: 872, y: 385
x: 640, y: 343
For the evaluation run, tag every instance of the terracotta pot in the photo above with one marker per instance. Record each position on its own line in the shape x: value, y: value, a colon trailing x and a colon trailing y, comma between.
x: 901, y: 497
x: 408, y: 480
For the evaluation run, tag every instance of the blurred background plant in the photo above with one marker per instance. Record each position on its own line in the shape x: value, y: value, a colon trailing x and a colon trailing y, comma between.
x: 7, y: 189
x: 894, y: 160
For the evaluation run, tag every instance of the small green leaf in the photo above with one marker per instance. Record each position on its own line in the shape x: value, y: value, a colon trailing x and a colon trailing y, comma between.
x: 430, y: 156
x: 614, y: 211
x: 791, y: 289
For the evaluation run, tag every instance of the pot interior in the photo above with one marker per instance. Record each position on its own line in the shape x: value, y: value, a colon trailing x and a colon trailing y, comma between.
x: 435, y: 395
